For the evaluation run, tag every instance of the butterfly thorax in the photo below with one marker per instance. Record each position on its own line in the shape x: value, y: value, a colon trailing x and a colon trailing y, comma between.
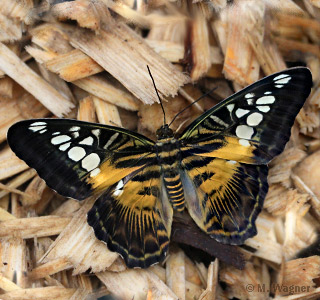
x: 169, y: 158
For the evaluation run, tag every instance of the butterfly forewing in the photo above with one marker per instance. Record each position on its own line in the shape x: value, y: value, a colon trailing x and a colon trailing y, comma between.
x: 78, y: 159
x: 253, y: 125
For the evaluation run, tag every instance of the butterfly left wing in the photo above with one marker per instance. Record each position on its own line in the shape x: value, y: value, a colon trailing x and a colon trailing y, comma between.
x: 253, y: 125
x: 78, y: 159
x: 134, y: 218
x: 225, y: 152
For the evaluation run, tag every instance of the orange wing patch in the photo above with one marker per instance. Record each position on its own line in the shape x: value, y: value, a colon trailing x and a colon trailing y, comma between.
x: 135, y: 218
x: 224, y: 197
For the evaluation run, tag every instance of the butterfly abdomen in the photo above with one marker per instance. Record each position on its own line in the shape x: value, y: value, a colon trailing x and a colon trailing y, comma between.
x: 169, y: 157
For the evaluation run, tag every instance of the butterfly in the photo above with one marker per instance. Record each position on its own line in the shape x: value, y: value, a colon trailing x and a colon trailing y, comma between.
x: 217, y: 168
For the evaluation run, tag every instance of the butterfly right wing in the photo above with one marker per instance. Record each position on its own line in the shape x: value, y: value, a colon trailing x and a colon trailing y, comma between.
x: 134, y: 218
x: 79, y: 159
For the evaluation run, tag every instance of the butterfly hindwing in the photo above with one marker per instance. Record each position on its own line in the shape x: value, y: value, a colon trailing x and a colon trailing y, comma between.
x: 78, y: 159
x: 134, y: 218
x: 224, y: 197
x: 253, y: 125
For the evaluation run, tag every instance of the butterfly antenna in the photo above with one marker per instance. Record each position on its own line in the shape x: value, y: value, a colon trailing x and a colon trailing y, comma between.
x: 201, y: 97
x: 164, y: 114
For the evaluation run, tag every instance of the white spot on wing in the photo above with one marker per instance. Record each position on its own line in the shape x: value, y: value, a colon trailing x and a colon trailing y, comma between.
x: 250, y: 101
x: 218, y: 121
x: 95, y: 172
x: 38, y: 124
x: 87, y: 141
x: 76, y: 153
x: 264, y: 108
x: 112, y: 139
x: 65, y: 146
x: 37, y: 128
x: 279, y: 86
x: 241, y: 112
x: 249, y: 95
x: 282, y: 78
x: 266, y: 100
x: 43, y: 131
x: 90, y: 162
x: 96, y: 132
x: 230, y: 107
x: 244, y: 132
x: 75, y: 134
x: 244, y: 143
x: 231, y: 162
x: 74, y: 128
x: 118, y: 190
x: 56, y: 133
x: 268, y: 93
x: 254, y: 119
x: 60, y: 139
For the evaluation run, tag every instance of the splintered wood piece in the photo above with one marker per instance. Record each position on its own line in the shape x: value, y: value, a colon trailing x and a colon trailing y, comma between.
x: 200, y: 56
x: 175, y: 272
x: 100, y: 87
x: 86, y: 110
x: 50, y: 38
x: 171, y: 28
x: 125, y: 55
x: 56, y: 82
x: 185, y: 231
x: 268, y: 55
x: 300, y: 273
x: 279, y: 199
x: 72, y: 65
x: 281, y: 166
x: 14, y: 67
x: 10, y: 29
x: 13, y: 260
x: 286, y: 7
x: 135, y: 284
x: 192, y: 272
x: 7, y: 285
x: 5, y: 215
x: 86, y: 13
x: 79, y: 245
x: 300, y: 232
x: 241, y: 64
x: 50, y: 268
x: 315, y: 200
x: 107, y: 113
x: 287, y: 46
x: 239, y: 281
x: 30, y: 227
x: 10, y: 164
x: 6, y: 86
x: 171, y: 51
x: 40, y: 293
x: 128, y: 13
x: 18, y: 10
x: 298, y: 22
x: 212, y: 283
x: 265, y: 247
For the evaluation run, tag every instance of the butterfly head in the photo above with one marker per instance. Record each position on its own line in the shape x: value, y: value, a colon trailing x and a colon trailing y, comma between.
x: 164, y: 132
